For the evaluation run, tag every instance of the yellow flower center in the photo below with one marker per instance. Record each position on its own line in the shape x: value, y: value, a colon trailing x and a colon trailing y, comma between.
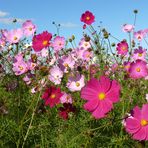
x: 65, y: 65
x: 101, y: 96
x: 77, y: 84
x: 30, y: 29
x: 87, y: 18
x: 53, y: 96
x: 15, y: 38
x: 123, y: 48
x: 138, y: 69
x: 144, y: 122
x: 139, y: 54
x: 85, y: 44
x: 21, y: 67
x: 45, y: 42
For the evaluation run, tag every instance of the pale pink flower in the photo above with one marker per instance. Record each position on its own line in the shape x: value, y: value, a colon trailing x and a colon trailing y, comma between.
x: 58, y: 43
x: 127, y: 28
x: 14, y: 36
x: 66, y: 98
x: 28, y: 28
x: 76, y: 83
x: 55, y: 75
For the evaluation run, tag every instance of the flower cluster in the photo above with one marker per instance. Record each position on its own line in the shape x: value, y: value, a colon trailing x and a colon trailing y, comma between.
x: 90, y: 75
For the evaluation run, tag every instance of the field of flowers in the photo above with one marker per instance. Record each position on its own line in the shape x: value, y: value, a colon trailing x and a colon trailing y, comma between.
x: 57, y: 93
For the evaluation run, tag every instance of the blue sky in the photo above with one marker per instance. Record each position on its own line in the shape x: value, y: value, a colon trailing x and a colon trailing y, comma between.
x: 113, y: 13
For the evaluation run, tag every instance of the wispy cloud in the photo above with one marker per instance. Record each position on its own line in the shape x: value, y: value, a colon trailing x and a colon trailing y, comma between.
x: 11, y: 20
x: 69, y: 25
x: 3, y: 14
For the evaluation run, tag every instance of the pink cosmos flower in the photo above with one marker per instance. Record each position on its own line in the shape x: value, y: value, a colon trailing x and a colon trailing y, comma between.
x: 28, y: 28
x: 127, y: 66
x: 55, y: 75
x: 127, y: 28
x: 76, y: 83
x: 66, y: 98
x: 137, y: 123
x: 31, y: 65
x: 51, y: 96
x: 41, y: 41
x: 100, y: 96
x: 88, y: 18
x: 58, y: 43
x: 13, y: 36
x: 122, y: 48
x: 66, y: 63
x: 83, y: 44
x: 20, y: 67
x: 138, y: 69
x: 139, y: 35
x: 139, y: 54
x: 44, y: 53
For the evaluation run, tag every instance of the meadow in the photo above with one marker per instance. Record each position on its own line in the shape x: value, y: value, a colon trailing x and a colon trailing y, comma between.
x: 55, y: 92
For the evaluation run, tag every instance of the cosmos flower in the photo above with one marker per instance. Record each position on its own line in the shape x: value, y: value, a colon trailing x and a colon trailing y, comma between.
x: 13, y: 36
x: 41, y: 41
x: 139, y: 35
x: 137, y: 123
x: 58, y: 43
x: 66, y: 63
x: 76, y: 83
x: 65, y: 110
x: 127, y: 28
x: 55, y: 75
x: 100, y: 95
x: 138, y: 69
x: 20, y: 67
x: 122, y: 48
x: 88, y: 18
x: 66, y: 98
x: 139, y: 54
x: 51, y: 96
x: 28, y: 28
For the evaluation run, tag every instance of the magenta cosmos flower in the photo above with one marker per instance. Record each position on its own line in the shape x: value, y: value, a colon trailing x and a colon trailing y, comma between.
x: 41, y: 41
x: 100, y: 96
x: 88, y: 18
x: 58, y: 43
x: 138, y: 69
x: 51, y: 96
x: 137, y: 123
x: 122, y: 48
x: 28, y: 28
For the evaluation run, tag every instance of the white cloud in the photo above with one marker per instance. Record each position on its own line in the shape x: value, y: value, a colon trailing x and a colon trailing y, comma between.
x: 3, y: 14
x: 69, y: 25
x: 10, y: 20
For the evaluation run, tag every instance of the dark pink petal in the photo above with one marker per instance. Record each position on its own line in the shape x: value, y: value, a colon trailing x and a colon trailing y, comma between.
x: 88, y: 93
x: 132, y: 123
x: 146, y: 128
x: 114, y: 92
x: 136, y: 113
x: 91, y: 105
x: 141, y: 134
x: 144, y: 112
x: 105, y: 83
x: 98, y: 113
